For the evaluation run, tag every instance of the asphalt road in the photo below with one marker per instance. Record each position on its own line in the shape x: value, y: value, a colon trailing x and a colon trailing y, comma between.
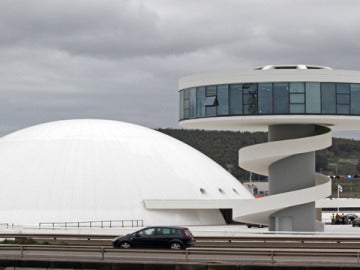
x: 253, y: 257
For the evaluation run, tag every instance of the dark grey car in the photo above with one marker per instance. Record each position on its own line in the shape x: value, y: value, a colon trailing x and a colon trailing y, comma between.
x: 156, y: 237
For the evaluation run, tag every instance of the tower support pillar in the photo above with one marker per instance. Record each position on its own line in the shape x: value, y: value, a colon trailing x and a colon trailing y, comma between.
x: 289, y: 174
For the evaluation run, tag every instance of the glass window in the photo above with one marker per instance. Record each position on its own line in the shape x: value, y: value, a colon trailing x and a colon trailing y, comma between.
x: 343, y: 109
x: 165, y: 231
x: 186, y: 94
x: 265, y: 98
x: 313, y: 104
x: 192, y: 102
x: 343, y: 88
x: 200, y: 101
x: 250, y: 98
x: 210, y: 110
x: 297, y: 98
x: 181, y: 105
x: 355, y: 98
x: 297, y: 87
x: 235, y: 100
x: 211, y: 101
x: 223, y: 99
x: 147, y: 232
x: 328, y: 98
x: 186, y: 103
x: 342, y: 99
x: 281, y: 98
x: 297, y: 108
x: 211, y: 90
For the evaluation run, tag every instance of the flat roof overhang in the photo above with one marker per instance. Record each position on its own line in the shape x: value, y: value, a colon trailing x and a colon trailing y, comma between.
x: 271, y: 75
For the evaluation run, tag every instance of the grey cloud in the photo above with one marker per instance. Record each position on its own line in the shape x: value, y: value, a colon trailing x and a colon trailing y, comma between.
x: 122, y: 60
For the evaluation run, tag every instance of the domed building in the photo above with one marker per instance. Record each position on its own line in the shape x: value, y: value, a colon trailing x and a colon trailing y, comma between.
x: 95, y: 170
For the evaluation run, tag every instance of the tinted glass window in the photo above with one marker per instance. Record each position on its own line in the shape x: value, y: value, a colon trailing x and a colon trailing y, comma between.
x: 281, y: 98
x: 343, y: 109
x: 186, y: 108
x: 166, y: 231
x: 297, y: 108
x: 192, y: 102
x: 210, y: 110
x: 342, y: 99
x: 235, y: 99
x: 181, y: 105
x: 211, y: 101
x: 265, y: 98
x: 200, y: 101
x: 270, y: 98
x: 313, y: 101
x: 355, y: 98
x: 211, y: 90
x: 343, y: 88
x: 328, y: 98
x: 250, y: 98
x: 223, y: 100
x: 186, y: 94
x: 147, y: 232
x: 297, y: 98
x: 297, y: 87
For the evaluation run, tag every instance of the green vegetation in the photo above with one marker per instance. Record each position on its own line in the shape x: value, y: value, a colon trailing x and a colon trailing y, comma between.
x: 20, y: 241
x: 220, y: 146
x: 30, y: 241
x: 342, y: 158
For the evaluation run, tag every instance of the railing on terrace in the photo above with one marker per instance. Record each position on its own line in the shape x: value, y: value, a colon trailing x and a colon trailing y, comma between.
x: 93, y: 224
x: 6, y: 225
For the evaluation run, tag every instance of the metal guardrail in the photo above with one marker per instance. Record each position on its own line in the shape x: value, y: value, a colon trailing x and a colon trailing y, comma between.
x: 93, y: 224
x: 270, y: 254
x: 6, y: 225
x: 249, y: 241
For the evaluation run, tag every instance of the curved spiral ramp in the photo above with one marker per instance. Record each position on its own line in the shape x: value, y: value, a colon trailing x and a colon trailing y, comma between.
x: 289, y: 161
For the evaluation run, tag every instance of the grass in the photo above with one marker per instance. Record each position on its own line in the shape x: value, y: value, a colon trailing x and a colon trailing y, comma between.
x: 29, y: 241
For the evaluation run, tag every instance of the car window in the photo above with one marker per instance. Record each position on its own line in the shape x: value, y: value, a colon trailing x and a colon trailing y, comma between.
x: 166, y: 231
x: 177, y: 232
x: 163, y: 231
x: 147, y: 232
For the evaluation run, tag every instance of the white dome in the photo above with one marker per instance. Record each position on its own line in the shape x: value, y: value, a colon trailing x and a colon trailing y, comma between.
x: 90, y: 170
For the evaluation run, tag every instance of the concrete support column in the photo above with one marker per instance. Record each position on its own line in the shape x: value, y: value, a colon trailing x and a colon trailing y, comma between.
x: 289, y: 174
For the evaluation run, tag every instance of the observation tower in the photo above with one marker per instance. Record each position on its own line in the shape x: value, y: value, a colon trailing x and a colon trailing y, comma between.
x: 299, y: 106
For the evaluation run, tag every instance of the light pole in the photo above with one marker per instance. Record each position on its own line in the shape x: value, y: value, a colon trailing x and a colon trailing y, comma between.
x: 339, y: 189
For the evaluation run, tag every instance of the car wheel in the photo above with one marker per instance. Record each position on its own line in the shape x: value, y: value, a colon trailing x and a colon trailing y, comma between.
x: 249, y: 226
x: 125, y: 245
x: 175, y: 245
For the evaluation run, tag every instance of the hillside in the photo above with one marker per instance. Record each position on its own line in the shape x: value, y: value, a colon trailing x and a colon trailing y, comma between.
x: 222, y: 146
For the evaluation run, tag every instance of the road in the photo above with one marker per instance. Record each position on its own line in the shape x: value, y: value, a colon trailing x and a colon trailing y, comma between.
x: 206, y: 256
x: 340, y: 250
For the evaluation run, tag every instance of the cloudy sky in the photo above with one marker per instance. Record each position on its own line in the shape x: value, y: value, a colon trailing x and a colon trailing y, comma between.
x: 121, y: 60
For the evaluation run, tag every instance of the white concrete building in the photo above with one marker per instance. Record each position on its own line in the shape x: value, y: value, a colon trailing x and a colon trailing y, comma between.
x: 299, y: 106
x: 100, y: 170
